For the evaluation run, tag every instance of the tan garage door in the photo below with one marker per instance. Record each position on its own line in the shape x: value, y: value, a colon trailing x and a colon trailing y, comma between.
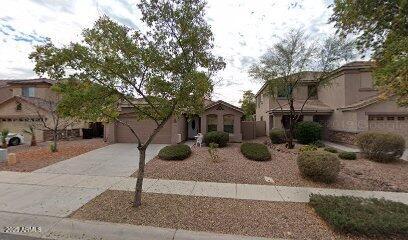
x: 143, y: 128
x: 393, y: 124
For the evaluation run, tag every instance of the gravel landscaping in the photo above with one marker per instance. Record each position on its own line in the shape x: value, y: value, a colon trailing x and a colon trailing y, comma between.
x: 230, y: 216
x: 233, y: 167
x: 33, y: 158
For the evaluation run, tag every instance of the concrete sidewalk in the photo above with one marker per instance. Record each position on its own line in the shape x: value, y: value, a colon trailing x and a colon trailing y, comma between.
x: 84, y: 188
x: 65, y: 228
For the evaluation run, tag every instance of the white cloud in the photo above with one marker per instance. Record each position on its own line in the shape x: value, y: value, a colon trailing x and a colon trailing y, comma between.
x: 243, y: 30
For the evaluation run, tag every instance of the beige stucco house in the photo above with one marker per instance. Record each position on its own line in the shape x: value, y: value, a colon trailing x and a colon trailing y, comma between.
x: 217, y: 116
x: 350, y: 104
x: 26, y: 102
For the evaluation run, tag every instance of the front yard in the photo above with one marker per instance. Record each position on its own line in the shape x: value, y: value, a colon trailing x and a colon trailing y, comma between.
x: 254, y: 217
x: 221, y: 215
x: 233, y: 167
x: 32, y: 158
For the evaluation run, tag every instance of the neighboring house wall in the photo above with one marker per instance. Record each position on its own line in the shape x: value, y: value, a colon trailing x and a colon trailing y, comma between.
x: 349, y: 85
x: 263, y: 104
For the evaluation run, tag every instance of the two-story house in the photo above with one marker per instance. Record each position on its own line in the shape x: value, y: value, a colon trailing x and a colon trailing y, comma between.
x: 26, y: 102
x: 348, y: 105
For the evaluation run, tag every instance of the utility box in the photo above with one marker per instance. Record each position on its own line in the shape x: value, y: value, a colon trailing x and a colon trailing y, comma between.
x: 3, y: 155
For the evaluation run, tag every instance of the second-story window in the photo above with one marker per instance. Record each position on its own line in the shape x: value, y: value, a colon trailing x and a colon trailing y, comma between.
x: 29, y: 91
x: 312, y: 91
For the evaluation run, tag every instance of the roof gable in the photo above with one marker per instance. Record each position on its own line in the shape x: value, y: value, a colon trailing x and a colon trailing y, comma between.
x: 222, y: 103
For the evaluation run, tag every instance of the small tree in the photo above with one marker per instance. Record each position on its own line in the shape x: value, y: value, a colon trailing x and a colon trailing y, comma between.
x: 248, y: 104
x: 3, y: 135
x: 380, y: 26
x: 31, y: 131
x: 161, y: 72
x: 50, y: 119
x: 283, y: 66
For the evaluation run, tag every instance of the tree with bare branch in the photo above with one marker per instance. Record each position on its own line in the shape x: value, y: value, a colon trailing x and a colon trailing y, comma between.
x: 163, y: 71
x: 283, y: 66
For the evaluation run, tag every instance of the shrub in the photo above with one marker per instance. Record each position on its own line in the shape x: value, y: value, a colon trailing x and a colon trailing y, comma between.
x: 308, y: 148
x: 175, y: 152
x: 308, y: 132
x: 255, y: 151
x: 220, y: 138
x: 213, y: 151
x: 348, y: 155
x: 318, y: 144
x: 372, y: 217
x: 53, y: 147
x: 277, y: 136
x: 381, y: 147
x: 319, y: 166
x: 330, y: 149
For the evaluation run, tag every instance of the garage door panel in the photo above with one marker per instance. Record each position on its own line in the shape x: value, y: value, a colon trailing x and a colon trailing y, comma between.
x: 392, y: 124
x: 143, y: 128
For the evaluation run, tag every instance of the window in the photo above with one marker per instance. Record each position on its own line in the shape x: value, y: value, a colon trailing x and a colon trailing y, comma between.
x: 401, y: 118
x: 29, y: 91
x: 371, y: 118
x: 229, y: 123
x: 212, y: 122
x: 380, y: 118
x: 312, y: 91
x: 390, y: 118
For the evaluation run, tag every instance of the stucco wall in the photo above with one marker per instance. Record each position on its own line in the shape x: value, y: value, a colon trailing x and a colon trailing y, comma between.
x: 236, y: 136
x: 5, y: 93
x: 19, y: 120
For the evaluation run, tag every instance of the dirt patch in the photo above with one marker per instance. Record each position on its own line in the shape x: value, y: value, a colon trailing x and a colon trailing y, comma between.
x: 281, y: 170
x: 33, y: 158
x: 229, y: 216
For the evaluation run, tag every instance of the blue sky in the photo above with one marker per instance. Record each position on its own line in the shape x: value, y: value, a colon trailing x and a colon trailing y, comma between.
x: 243, y: 30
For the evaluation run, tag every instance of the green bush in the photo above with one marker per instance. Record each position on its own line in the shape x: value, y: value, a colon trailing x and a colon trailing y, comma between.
x: 308, y: 132
x: 308, y: 148
x: 277, y: 136
x: 175, y: 152
x: 371, y: 217
x: 53, y: 147
x: 330, y: 149
x: 255, y: 151
x: 381, y: 147
x: 220, y: 138
x: 318, y: 144
x: 348, y: 155
x: 319, y: 166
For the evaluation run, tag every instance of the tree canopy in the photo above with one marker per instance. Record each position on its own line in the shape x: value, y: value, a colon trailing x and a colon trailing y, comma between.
x: 248, y: 104
x: 285, y: 64
x: 162, y: 68
x: 382, y: 27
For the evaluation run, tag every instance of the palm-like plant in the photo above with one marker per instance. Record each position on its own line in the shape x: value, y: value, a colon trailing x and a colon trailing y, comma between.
x: 3, y: 135
x: 31, y: 131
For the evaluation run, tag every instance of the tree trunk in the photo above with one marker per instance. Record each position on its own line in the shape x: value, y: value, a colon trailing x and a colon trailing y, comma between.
x: 55, y: 140
x: 290, y: 144
x: 140, y: 174
x: 33, y: 140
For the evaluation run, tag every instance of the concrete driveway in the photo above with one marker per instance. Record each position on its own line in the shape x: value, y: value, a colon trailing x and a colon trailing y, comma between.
x: 114, y: 160
x: 60, y: 189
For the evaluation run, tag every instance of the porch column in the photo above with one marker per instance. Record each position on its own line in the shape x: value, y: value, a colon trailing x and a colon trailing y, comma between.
x: 277, y: 121
x: 203, y: 124
x: 220, y: 122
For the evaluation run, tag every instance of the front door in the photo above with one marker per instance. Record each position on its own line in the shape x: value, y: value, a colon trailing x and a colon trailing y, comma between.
x: 193, y: 127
